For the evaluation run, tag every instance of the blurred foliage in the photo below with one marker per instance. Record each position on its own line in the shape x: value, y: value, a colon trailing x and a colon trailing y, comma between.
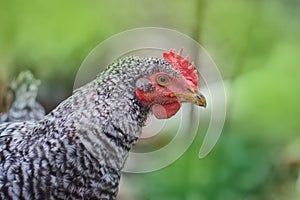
x: 256, y: 46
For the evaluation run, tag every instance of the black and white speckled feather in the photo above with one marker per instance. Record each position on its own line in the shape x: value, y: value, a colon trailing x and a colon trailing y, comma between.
x: 24, y: 107
x: 77, y: 151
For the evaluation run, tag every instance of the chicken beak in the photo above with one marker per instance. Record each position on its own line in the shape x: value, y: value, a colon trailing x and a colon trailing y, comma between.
x: 193, y: 97
x: 200, y: 100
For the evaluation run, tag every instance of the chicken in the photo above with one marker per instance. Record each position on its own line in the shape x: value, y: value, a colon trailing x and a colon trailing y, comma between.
x: 25, y: 107
x: 78, y: 150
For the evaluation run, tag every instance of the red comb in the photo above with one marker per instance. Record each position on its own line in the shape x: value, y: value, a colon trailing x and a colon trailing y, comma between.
x: 188, y: 71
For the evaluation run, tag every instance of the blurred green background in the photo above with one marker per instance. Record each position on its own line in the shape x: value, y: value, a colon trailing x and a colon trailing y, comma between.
x: 256, y: 46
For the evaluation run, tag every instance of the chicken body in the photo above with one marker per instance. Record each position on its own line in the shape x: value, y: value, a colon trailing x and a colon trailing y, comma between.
x: 78, y: 150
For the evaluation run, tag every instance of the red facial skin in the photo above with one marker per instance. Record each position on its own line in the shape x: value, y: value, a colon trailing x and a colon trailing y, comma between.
x: 162, y: 99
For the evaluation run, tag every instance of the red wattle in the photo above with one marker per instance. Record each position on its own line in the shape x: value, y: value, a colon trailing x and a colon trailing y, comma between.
x: 165, y: 111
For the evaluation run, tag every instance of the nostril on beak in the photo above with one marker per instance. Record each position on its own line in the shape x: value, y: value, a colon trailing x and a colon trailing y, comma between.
x: 192, y: 90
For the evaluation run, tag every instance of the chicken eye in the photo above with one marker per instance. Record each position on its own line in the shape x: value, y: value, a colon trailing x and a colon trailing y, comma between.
x: 163, y: 80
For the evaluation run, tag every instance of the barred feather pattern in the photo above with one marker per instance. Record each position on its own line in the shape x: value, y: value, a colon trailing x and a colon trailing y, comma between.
x: 78, y: 150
